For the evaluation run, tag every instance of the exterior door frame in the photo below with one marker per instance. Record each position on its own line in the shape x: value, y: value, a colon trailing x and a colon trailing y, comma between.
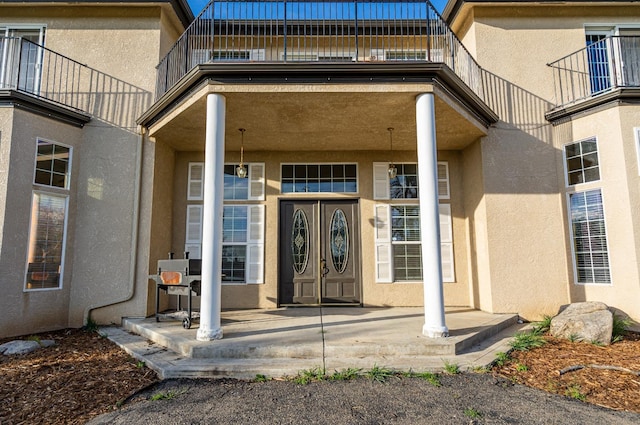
x: 355, y: 239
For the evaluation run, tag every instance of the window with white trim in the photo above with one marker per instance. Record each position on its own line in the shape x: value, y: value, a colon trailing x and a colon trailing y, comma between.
x: 243, y: 224
x: 405, y: 242
x: 53, y: 165
x: 47, y: 238
x: 405, y: 184
x: 398, y: 248
x: 435, y: 55
x: 20, y: 62
x: 199, y: 56
x: 234, y: 243
x: 250, y: 188
x: 581, y: 162
x: 589, y: 238
x: 48, y: 226
x: 301, y: 56
x: 319, y: 178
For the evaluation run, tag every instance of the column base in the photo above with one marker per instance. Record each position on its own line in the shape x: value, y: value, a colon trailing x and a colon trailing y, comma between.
x: 208, y: 334
x: 435, y: 331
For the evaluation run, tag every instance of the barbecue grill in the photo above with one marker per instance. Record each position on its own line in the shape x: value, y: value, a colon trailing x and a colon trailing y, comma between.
x: 179, y: 277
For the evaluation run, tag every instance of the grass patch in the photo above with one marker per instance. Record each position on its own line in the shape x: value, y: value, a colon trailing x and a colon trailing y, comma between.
x: 620, y: 327
x: 309, y: 375
x: 35, y: 338
x: 261, y: 378
x: 574, y: 338
x: 431, y: 378
x: 140, y: 364
x: 345, y: 374
x: 91, y: 325
x: 502, y: 359
x: 472, y: 413
x: 543, y: 326
x: 525, y: 341
x: 574, y: 391
x: 522, y: 367
x: 166, y: 395
x: 451, y: 368
x: 379, y: 374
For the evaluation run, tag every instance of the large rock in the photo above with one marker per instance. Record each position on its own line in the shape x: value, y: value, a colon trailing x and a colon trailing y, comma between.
x: 589, y: 321
x: 23, y: 347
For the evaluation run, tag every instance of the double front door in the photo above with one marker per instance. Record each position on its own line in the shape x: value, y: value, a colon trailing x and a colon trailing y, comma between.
x: 319, y: 252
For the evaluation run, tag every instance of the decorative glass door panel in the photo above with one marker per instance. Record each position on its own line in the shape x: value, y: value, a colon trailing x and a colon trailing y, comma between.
x: 319, y: 252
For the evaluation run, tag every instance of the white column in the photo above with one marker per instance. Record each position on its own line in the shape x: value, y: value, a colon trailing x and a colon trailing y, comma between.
x: 212, y: 220
x: 434, y: 325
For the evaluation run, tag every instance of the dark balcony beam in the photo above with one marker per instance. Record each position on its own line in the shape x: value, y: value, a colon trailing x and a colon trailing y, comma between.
x: 43, y: 108
x: 621, y: 96
x: 437, y: 74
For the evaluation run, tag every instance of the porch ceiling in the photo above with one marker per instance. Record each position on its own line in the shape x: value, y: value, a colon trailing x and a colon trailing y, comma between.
x: 314, y: 118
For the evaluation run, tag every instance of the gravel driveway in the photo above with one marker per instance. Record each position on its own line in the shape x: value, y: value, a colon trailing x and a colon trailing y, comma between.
x: 461, y: 399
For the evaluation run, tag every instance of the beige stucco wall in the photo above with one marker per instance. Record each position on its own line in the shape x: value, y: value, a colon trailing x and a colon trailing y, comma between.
x: 123, y: 45
x: 523, y: 173
x: 6, y: 128
x: 617, y: 154
x: 373, y: 294
x: 32, y: 311
x: 516, y: 43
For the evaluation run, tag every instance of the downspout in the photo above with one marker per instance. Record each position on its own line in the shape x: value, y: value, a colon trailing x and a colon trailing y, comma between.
x: 134, y: 234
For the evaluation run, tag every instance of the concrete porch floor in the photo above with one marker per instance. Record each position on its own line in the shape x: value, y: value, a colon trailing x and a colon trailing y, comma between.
x: 281, y: 342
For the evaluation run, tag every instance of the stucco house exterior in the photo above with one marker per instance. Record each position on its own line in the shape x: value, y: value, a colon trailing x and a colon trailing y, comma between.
x: 318, y: 153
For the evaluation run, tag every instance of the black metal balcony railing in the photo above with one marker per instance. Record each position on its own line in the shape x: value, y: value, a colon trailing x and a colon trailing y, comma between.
x: 33, y: 69
x: 325, y: 31
x: 608, y: 64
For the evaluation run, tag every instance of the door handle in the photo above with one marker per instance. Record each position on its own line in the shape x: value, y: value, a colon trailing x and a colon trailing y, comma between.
x: 324, y: 270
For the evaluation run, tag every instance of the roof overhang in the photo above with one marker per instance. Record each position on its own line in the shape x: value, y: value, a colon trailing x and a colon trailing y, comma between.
x: 605, y: 100
x: 181, y: 7
x: 454, y: 7
x: 319, y: 73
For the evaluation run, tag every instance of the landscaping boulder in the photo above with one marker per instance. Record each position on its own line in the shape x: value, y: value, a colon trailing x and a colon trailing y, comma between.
x: 23, y: 347
x: 588, y: 321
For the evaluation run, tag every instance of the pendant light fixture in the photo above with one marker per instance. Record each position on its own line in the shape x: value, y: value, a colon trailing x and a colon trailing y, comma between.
x: 393, y: 171
x: 241, y: 170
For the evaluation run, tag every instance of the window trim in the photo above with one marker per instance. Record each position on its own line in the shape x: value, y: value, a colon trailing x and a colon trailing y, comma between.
x: 572, y: 240
x: 357, y: 164
x: 249, y: 243
x: 383, y: 167
x: 252, y: 178
x: 45, y: 187
x: 398, y: 243
x: 64, y: 242
x: 383, y: 244
x: 566, y: 169
x: 636, y: 132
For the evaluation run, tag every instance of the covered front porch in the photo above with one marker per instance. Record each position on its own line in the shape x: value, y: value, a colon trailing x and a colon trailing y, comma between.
x: 318, y: 125
x: 315, y: 134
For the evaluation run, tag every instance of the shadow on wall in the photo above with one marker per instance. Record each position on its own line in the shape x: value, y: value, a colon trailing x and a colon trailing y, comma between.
x: 114, y: 101
x: 517, y: 107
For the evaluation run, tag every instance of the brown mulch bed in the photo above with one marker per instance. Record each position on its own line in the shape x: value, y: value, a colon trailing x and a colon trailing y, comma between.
x: 613, y: 388
x: 85, y: 375
x: 82, y: 376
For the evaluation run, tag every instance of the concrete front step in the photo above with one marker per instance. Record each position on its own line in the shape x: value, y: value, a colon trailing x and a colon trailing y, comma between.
x: 334, y: 333
x: 282, y: 342
x: 169, y: 364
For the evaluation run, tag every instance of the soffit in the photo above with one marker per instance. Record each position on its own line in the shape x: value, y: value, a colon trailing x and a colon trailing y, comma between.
x: 312, y: 118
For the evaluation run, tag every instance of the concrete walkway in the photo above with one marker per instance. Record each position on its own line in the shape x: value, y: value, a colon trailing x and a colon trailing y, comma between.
x: 281, y: 342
